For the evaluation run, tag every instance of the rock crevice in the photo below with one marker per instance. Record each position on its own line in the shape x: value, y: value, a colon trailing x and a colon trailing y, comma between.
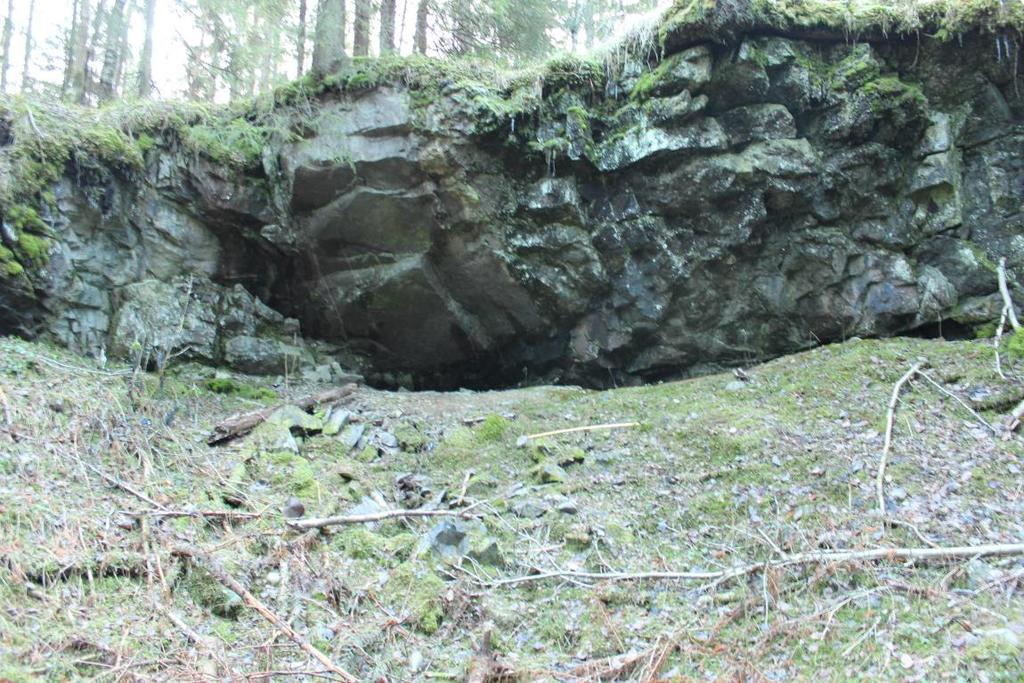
x: 730, y: 203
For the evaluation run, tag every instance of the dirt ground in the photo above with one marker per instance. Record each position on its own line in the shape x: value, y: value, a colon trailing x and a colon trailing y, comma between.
x: 728, y: 533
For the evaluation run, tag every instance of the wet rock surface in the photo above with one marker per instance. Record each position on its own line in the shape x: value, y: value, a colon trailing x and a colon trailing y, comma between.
x: 729, y: 204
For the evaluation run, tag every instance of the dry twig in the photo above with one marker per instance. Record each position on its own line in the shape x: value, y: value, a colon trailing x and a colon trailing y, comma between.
x: 232, y: 584
x: 890, y: 419
x: 117, y: 483
x: 1004, y: 289
x: 6, y: 408
x: 833, y: 557
x: 574, y: 430
x: 946, y: 392
x: 240, y: 425
x: 323, y: 522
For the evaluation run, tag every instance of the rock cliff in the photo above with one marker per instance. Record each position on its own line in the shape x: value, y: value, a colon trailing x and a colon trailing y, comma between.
x: 721, y: 192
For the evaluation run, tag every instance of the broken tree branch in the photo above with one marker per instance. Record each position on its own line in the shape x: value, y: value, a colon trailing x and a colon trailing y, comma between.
x: 946, y: 392
x: 574, y: 430
x: 1015, y: 419
x: 883, y: 461
x: 833, y: 557
x: 323, y: 522
x: 117, y: 483
x: 239, y: 425
x: 1004, y: 289
x: 209, y: 564
x: 6, y: 408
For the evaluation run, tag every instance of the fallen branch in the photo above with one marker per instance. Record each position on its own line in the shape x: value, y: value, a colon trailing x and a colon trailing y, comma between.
x: 196, y: 514
x: 1004, y: 289
x: 1015, y: 419
x: 573, y: 430
x: 117, y: 483
x: 998, y: 342
x: 210, y: 565
x: 946, y: 392
x: 6, y: 408
x: 323, y: 522
x: 239, y: 425
x: 206, y: 644
x: 833, y: 557
x: 883, y: 461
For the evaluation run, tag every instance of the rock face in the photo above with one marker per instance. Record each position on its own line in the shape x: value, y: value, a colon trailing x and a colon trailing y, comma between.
x: 732, y: 203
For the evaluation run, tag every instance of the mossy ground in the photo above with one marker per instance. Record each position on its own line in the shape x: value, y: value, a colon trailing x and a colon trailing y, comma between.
x: 719, y: 472
x: 943, y: 19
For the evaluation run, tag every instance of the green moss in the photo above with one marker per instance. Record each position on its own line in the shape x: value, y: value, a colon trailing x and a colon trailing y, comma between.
x: 145, y: 142
x: 360, y: 544
x: 234, y: 142
x: 986, y: 331
x: 418, y: 590
x: 410, y: 438
x: 492, y: 429
x: 944, y: 19
x: 890, y: 93
x: 230, y: 387
x: 26, y: 218
x: 550, y: 146
x: 206, y: 591
x: 35, y: 250
x: 1015, y: 346
x: 9, y: 265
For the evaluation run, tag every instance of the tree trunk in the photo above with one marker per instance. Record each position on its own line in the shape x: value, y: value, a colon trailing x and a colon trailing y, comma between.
x: 112, y: 53
x: 329, y: 40
x: 300, y: 58
x: 422, y: 15
x: 26, y: 78
x: 98, y: 37
x: 388, y: 9
x: 361, y: 33
x: 79, y: 54
x: 123, y: 49
x: 146, y: 61
x: 5, y: 51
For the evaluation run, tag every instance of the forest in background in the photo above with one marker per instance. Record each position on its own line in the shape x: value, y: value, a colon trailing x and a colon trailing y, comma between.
x: 95, y: 51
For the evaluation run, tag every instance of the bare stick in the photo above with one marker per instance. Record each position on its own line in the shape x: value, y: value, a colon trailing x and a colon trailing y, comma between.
x: 196, y: 514
x: 323, y: 522
x: 1015, y: 418
x: 959, y: 400
x: 240, y: 425
x: 573, y: 430
x: 229, y: 582
x: 6, y: 408
x: 890, y: 419
x: 126, y: 487
x: 1004, y: 289
x: 998, y: 342
x: 834, y: 557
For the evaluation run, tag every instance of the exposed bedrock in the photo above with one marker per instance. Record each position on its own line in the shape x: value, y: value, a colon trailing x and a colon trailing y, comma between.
x: 731, y: 203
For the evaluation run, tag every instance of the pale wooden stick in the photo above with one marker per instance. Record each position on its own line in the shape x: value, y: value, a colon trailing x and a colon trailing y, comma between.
x: 210, y: 565
x: 6, y: 408
x: 1004, y: 289
x: 1014, y: 420
x: 320, y: 523
x: 117, y: 483
x: 998, y: 342
x: 883, y: 461
x: 959, y: 400
x: 834, y: 557
x: 574, y: 430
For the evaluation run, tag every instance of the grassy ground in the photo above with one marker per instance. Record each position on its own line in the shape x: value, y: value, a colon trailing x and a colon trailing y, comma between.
x: 103, y: 474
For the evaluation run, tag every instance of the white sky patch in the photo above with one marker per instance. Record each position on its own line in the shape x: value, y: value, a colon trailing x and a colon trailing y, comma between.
x: 174, y: 28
